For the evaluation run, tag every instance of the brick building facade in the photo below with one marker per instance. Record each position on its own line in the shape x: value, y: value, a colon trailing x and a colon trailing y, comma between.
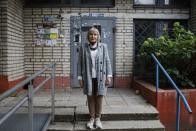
x: 193, y: 15
x: 12, y: 43
x: 20, y: 57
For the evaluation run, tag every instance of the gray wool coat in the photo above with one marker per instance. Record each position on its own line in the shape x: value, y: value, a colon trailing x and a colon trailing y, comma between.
x: 103, y: 68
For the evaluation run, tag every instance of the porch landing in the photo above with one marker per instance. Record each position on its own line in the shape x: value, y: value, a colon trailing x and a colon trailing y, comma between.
x: 122, y: 109
x: 74, y: 98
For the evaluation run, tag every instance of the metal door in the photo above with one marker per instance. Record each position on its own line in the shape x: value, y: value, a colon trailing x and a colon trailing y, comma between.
x: 79, y: 29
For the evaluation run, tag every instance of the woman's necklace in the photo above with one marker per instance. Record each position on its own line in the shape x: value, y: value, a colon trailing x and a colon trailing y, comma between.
x: 93, y: 48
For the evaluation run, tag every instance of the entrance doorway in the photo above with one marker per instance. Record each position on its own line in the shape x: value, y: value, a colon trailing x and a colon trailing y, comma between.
x: 79, y: 28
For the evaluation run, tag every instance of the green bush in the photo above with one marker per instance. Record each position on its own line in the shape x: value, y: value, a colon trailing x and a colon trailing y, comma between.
x: 177, y: 53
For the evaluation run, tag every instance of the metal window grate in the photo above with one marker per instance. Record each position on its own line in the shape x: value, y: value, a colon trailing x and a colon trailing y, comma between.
x: 143, y: 30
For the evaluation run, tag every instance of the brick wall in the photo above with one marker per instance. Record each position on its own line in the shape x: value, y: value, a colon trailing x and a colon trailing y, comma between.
x: 36, y: 56
x: 15, y: 40
x: 193, y: 15
x: 12, y: 44
x: 3, y: 28
x: 193, y: 25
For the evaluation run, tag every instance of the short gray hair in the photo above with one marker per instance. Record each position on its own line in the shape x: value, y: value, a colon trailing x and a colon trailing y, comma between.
x: 93, y: 29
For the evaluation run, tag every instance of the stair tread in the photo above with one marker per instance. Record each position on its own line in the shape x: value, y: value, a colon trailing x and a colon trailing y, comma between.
x: 125, y: 124
x: 64, y: 126
x: 110, y: 125
x: 121, y: 110
x: 145, y: 112
x: 110, y: 110
x: 121, y: 113
x: 84, y: 110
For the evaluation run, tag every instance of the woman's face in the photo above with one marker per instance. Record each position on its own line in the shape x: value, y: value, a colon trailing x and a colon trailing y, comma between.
x: 93, y: 36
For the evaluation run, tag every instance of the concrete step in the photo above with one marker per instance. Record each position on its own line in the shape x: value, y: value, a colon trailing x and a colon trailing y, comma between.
x: 131, y: 125
x: 142, y: 112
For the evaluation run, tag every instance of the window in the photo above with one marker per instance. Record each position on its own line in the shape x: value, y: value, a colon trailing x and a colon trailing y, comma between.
x: 166, y: 2
x: 72, y: 3
x: 97, y: 2
x: 162, y: 3
x: 144, y: 2
x: 47, y: 3
x: 180, y: 3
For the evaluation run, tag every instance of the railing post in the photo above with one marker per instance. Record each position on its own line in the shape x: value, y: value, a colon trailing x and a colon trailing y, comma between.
x: 178, y: 113
x: 30, y: 106
x: 53, y: 91
x: 157, y: 78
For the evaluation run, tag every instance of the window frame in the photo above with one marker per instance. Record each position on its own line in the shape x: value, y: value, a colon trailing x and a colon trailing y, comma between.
x: 112, y: 4
x: 143, y: 4
x: 158, y: 5
x: 73, y: 3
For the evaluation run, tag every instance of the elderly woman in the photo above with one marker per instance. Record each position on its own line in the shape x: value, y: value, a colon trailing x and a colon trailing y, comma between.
x: 94, y: 74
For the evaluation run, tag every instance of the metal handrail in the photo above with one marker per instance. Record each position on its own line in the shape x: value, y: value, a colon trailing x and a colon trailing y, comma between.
x: 21, y: 84
x: 29, y: 96
x: 179, y: 93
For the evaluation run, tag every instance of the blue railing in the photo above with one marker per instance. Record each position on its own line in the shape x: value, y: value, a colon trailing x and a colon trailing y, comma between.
x: 179, y: 93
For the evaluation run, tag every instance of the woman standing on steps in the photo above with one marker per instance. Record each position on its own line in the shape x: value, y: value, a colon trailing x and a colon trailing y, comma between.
x: 94, y: 74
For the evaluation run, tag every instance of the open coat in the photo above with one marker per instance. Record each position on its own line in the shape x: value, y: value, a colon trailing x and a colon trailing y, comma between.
x: 103, y: 68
